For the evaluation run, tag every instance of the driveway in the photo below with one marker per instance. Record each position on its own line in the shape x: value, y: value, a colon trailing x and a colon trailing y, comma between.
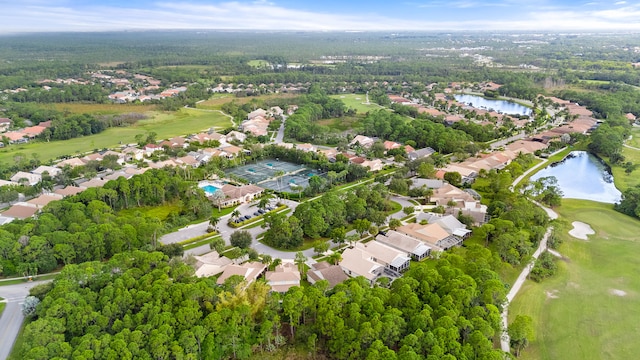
x: 12, y: 317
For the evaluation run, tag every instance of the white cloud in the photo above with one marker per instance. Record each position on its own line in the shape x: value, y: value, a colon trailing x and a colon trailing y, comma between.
x: 620, y: 3
x: 58, y: 15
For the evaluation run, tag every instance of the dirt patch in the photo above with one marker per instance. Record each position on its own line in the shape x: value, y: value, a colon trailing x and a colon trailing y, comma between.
x: 617, y: 292
x: 581, y: 230
x: 553, y: 294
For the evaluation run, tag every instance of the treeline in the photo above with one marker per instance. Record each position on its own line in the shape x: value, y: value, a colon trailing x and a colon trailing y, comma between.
x: 62, y: 94
x: 424, y: 133
x: 610, y: 100
x: 141, y: 305
x: 89, y: 226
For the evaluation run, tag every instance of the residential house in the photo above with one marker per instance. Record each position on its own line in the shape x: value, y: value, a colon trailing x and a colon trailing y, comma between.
x: 5, y: 123
x: 432, y: 234
x: 52, y: 171
x: 33, y: 131
x: 133, y: 153
x: 95, y: 182
x: 391, y: 145
x: 420, y: 153
x: 250, y: 271
x: 6, y: 183
x: 448, y: 222
x: 428, y: 183
x: 412, y: 247
x: 258, y: 112
x: 464, y: 203
x: 177, y: 142
x: 373, y: 165
x: 27, y: 178
x: 16, y: 137
x: 71, y: 162
x: 284, y: 277
x: 188, y: 160
x: 149, y: 149
x: 230, y: 151
x: 20, y: 211
x: 373, y: 259
x: 362, y: 140
x: 276, y: 111
x: 236, y: 136
x: 43, y: 200
x: 69, y: 191
x: 305, y: 147
x: 325, y: 271
x: 211, y: 264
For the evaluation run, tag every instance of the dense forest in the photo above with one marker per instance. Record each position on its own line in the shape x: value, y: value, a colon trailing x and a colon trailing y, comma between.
x: 143, y: 305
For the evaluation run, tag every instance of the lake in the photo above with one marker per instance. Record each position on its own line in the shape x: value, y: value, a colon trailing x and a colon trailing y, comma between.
x: 583, y: 176
x: 501, y: 106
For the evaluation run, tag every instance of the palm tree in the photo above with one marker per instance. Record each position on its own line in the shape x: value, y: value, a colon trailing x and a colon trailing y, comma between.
x: 299, y: 261
x: 274, y: 263
x: 267, y: 259
x: 334, y: 258
x: 214, y: 220
x: 235, y: 214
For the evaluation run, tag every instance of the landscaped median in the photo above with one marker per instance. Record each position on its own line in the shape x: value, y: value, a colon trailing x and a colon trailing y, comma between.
x: 255, y: 218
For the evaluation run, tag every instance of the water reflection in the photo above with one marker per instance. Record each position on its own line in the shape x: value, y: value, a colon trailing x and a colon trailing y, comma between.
x: 583, y: 176
x: 505, y: 107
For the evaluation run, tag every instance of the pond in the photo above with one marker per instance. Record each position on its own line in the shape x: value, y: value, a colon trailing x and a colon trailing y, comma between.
x: 583, y: 176
x: 501, y: 106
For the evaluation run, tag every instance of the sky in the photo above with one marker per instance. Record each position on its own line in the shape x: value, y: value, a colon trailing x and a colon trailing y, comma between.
x: 17, y: 16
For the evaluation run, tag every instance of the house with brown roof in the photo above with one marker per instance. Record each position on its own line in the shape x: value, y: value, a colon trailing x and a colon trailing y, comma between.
x: 16, y: 137
x: 71, y: 162
x: 284, y: 277
x: 231, y: 151
x: 390, y: 145
x: 188, y: 160
x: 33, y: 131
x: 256, y: 113
x: 432, y: 234
x: 69, y: 191
x: 333, y: 274
x: 235, y: 195
x: 43, y: 200
x: 95, y: 182
x: 412, y: 247
x: 175, y: 143
x: 250, y: 271
x: 20, y: 211
x: 236, y: 136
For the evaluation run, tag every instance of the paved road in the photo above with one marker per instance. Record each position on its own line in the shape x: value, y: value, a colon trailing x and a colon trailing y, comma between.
x: 404, y: 201
x: 12, y: 317
x: 280, y: 136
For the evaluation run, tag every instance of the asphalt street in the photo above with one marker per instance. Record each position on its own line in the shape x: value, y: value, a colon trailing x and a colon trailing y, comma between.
x: 12, y: 317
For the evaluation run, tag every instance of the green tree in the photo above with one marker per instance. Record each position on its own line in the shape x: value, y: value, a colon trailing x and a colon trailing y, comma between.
x: 454, y: 178
x: 361, y: 226
x: 320, y: 247
x: 241, y: 239
x: 520, y: 332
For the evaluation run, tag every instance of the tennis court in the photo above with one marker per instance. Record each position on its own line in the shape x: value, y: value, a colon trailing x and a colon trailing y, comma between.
x: 264, y: 169
x: 291, y: 183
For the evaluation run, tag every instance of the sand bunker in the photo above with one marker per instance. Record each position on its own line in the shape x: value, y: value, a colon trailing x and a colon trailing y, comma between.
x: 617, y: 292
x: 581, y: 230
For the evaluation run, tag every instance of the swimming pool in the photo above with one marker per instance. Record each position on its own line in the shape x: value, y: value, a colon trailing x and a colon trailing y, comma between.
x: 209, y: 189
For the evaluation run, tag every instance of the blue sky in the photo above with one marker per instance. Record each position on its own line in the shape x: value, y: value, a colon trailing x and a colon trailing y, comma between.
x: 439, y: 15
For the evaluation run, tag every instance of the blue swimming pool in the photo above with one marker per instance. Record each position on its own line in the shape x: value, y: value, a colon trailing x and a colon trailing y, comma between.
x: 209, y: 189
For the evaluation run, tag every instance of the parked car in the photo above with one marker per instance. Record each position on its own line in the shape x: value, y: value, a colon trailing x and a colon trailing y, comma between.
x: 257, y: 213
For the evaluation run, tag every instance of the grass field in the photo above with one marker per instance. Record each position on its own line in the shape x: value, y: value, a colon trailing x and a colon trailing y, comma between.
x: 110, y: 108
x: 160, y: 212
x: 217, y: 100
x: 356, y: 101
x: 258, y: 63
x: 165, y: 125
x: 623, y: 180
x: 577, y: 313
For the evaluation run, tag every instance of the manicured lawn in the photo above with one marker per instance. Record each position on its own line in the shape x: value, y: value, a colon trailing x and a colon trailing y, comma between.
x: 623, y: 180
x: 164, y: 124
x: 357, y: 101
x: 217, y: 100
x: 577, y: 313
x: 2, y: 306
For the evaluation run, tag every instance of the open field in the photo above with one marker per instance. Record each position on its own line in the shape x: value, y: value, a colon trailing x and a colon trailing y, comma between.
x: 258, y: 63
x: 356, y: 101
x: 101, y: 109
x: 623, y: 180
x: 589, y: 309
x: 181, y: 122
x: 217, y: 100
